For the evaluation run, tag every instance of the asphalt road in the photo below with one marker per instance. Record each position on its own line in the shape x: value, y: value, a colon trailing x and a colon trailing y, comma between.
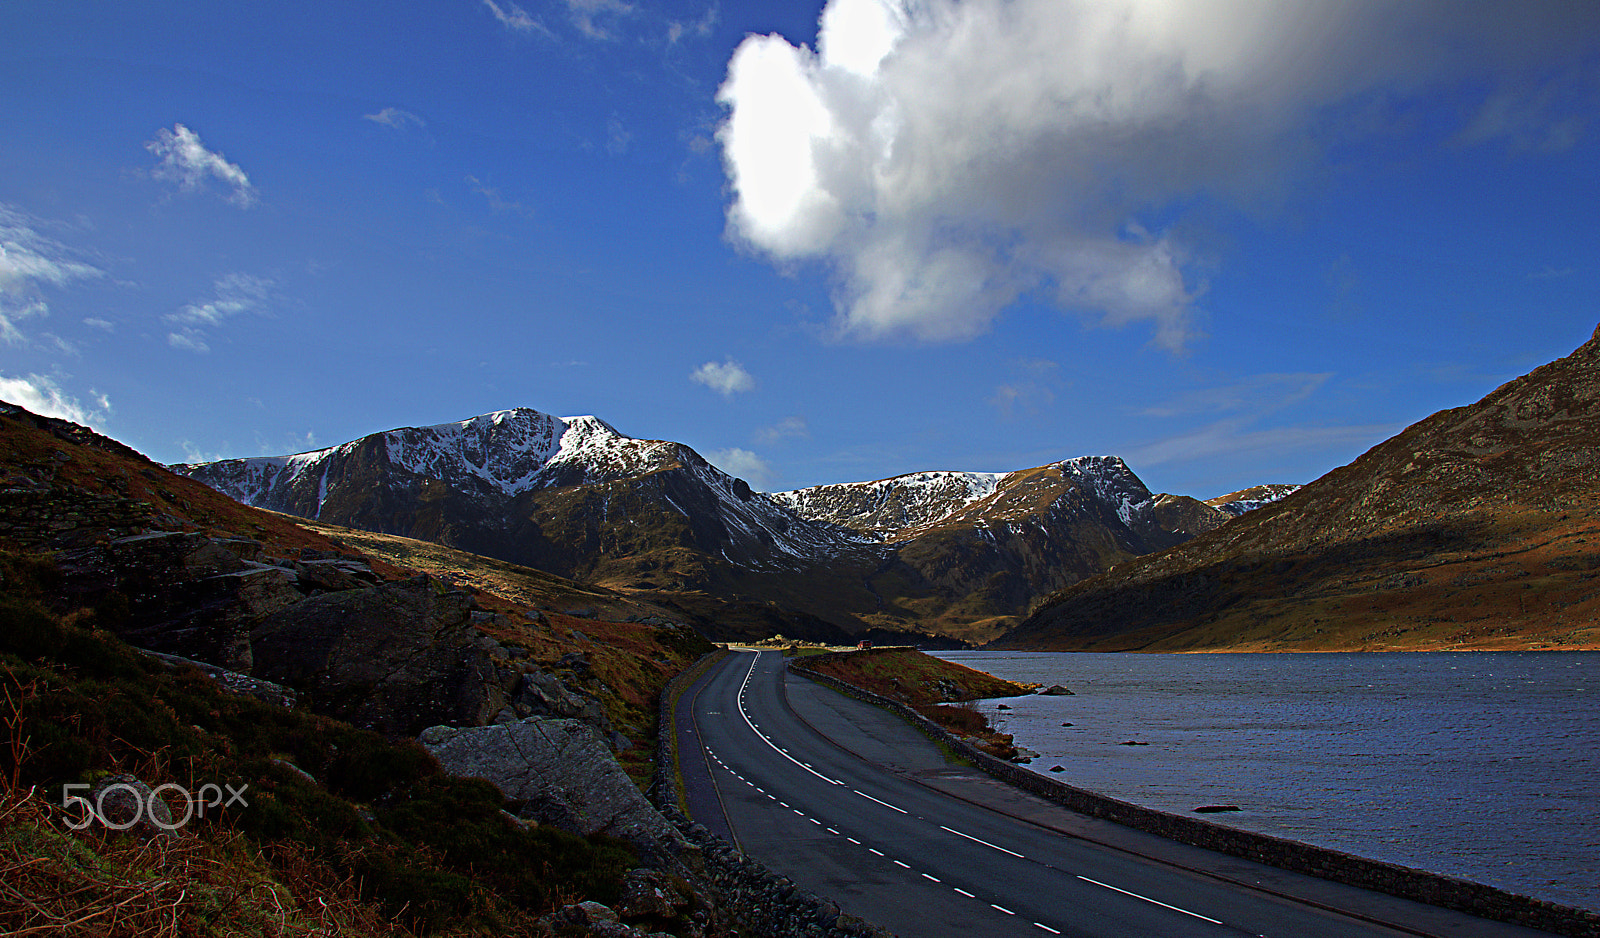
x: 852, y: 803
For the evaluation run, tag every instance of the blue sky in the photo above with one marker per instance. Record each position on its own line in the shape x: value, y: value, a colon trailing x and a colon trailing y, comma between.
x: 1231, y: 242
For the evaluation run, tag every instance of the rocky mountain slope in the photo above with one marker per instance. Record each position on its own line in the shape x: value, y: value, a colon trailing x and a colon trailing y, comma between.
x: 1478, y: 527
x: 435, y: 749
x: 947, y: 553
x: 1237, y: 503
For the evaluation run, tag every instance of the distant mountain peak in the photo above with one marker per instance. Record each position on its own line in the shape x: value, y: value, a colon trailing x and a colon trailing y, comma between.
x: 574, y: 496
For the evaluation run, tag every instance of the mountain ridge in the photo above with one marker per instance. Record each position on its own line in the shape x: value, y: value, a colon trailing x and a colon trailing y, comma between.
x: 1478, y: 526
x: 952, y: 553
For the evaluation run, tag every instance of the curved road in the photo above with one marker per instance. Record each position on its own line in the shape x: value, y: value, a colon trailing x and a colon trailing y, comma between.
x: 852, y: 803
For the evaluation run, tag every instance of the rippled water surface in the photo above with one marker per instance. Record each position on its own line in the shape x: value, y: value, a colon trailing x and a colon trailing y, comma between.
x: 1483, y: 765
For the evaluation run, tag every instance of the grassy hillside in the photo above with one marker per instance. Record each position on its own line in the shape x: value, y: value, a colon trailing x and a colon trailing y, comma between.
x: 1477, y: 528
x: 342, y: 830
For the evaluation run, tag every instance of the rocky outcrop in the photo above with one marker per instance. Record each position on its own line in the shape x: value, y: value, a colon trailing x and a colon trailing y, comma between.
x: 392, y: 658
x: 265, y: 691
x: 559, y: 772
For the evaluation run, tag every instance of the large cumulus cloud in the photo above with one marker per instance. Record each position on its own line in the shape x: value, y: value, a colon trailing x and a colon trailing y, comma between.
x: 946, y: 157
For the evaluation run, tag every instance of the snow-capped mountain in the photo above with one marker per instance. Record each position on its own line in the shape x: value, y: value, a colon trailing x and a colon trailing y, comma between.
x: 492, y: 483
x: 507, y: 452
x: 956, y: 552
x: 1256, y: 496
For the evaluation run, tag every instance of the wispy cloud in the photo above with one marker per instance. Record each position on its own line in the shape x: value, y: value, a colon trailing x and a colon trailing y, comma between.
x: 743, y: 464
x: 43, y: 396
x: 395, y: 117
x: 700, y: 28
x: 617, y: 137
x: 1031, y: 389
x: 514, y: 18
x: 187, y: 162
x: 1551, y: 273
x: 1258, y: 394
x: 232, y: 294
x: 1233, y: 438
x: 789, y: 428
x: 1241, y: 406
x: 497, y: 203
x: 727, y: 378
x: 29, y: 261
x: 586, y: 15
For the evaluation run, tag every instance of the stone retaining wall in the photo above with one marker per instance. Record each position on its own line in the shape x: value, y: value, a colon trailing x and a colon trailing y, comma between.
x: 1447, y: 892
x: 45, y: 516
x: 762, y: 901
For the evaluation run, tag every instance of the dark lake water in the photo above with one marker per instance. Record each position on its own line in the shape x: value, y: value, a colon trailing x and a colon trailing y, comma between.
x: 1482, y: 765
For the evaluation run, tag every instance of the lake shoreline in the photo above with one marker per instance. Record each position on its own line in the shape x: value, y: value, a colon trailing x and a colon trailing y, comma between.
x: 1433, y: 763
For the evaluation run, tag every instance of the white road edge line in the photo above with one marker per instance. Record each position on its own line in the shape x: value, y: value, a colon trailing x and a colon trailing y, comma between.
x: 984, y: 842
x: 1203, y: 918
x: 746, y: 716
x: 884, y: 803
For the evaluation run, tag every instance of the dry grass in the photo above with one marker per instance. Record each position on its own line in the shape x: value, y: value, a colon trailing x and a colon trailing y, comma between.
x: 101, y: 883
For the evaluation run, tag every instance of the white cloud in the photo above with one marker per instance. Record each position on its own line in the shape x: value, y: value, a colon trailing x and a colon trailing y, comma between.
x: 728, y: 378
x: 743, y: 464
x: 786, y: 429
x: 700, y: 28
x: 29, y: 261
x: 396, y: 118
x: 586, y: 13
x: 1258, y: 395
x: 1031, y: 388
x: 1232, y: 438
x: 943, y: 158
x: 1239, y: 407
x: 190, y: 340
x: 513, y: 17
x: 232, y: 294
x: 103, y: 324
x: 498, y: 204
x: 186, y: 161
x: 617, y: 137
x: 44, y: 397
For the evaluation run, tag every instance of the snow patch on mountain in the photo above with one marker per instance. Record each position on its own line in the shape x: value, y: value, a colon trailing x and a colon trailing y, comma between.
x: 1246, y: 500
x: 885, y: 506
x: 1112, y: 482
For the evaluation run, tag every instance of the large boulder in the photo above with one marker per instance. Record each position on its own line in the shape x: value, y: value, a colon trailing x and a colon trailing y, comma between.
x: 185, y: 594
x: 560, y: 772
x: 394, y: 658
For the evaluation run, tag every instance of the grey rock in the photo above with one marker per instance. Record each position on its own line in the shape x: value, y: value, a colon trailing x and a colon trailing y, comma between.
x: 262, y: 690
x: 395, y: 658
x: 650, y: 894
x: 333, y: 575
x: 560, y: 773
x: 542, y: 694
x: 123, y: 802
